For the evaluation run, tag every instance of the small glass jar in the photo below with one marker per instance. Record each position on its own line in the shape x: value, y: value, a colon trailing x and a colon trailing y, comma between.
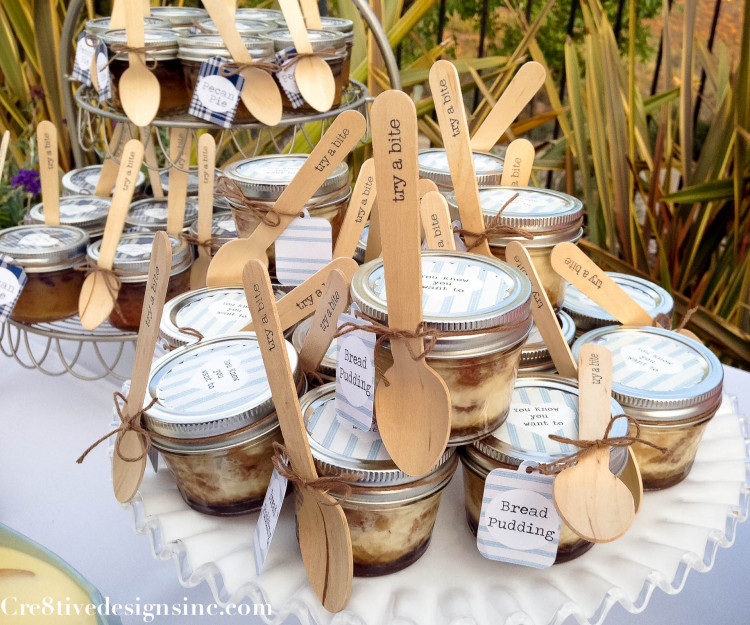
x: 150, y: 215
x: 192, y: 184
x: 552, y: 217
x: 87, y: 212
x: 131, y: 263
x: 180, y: 18
x: 100, y: 25
x: 223, y: 230
x: 588, y: 315
x: 327, y: 368
x: 339, y: 25
x: 463, y: 293
x: 671, y: 385
x: 161, y: 58
x: 83, y: 181
x: 361, y: 249
x: 245, y: 27
x: 195, y: 49
x: 433, y: 165
x: 390, y: 514
x: 541, y: 405
x: 214, y: 423
x: 535, y: 356
x: 258, y: 15
x: 319, y: 40
x: 50, y: 256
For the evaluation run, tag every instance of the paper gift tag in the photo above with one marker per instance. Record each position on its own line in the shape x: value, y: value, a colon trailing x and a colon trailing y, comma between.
x: 12, y: 281
x: 286, y: 79
x: 102, y: 80
x: 216, y: 97
x: 304, y: 248
x: 269, y: 516
x: 355, y: 376
x: 518, y: 522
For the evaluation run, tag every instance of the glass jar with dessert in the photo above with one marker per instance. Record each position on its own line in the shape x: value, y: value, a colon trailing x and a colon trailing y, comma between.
x: 87, y: 212
x: 535, y: 356
x: 150, y: 214
x: 433, y: 165
x: 83, y: 181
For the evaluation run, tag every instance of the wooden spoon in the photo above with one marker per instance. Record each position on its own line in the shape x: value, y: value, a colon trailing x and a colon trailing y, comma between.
x: 140, y: 92
x: 519, y: 159
x: 110, y: 167
x: 46, y: 137
x: 206, y: 168
x: 179, y: 154
x: 96, y: 301
x: 312, y: 14
x: 516, y: 96
x: 436, y: 222
x: 631, y: 477
x: 313, y: 75
x: 260, y: 94
x: 449, y: 106
x: 357, y: 212
x: 594, y: 503
x: 323, y: 531
x: 302, y: 300
x: 154, y: 176
x: 424, y: 186
x: 127, y: 475
x: 413, y: 408
x: 324, y: 323
x: 544, y: 315
x: 374, y: 247
x: 340, y: 138
x: 4, y: 151
x: 117, y: 19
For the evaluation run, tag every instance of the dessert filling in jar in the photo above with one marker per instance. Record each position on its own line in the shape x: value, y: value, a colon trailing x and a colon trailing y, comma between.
x: 671, y: 385
x: 542, y: 405
x: 550, y: 216
x: 50, y: 256
x: 131, y: 263
x: 100, y: 25
x: 327, y: 368
x: 390, y: 514
x: 223, y: 230
x: 161, y: 59
x: 87, y: 212
x: 535, y: 354
x: 433, y: 165
x: 151, y: 214
x: 83, y: 181
x: 463, y: 296
x: 588, y: 315
x: 214, y: 422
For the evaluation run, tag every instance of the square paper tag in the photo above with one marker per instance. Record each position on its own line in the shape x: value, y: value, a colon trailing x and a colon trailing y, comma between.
x: 519, y: 523
x: 355, y: 376
x: 216, y: 97
x: 304, y: 248
x: 269, y: 516
x: 12, y: 281
x: 286, y: 79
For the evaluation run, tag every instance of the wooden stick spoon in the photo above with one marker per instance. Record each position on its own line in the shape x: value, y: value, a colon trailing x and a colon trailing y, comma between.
x: 436, y: 222
x: 312, y: 14
x: 4, y: 151
x: 357, y: 212
x: 206, y: 168
x: 593, y: 502
x: 110, y: 167
x: 519, y: 160
x: 46, y: 136
x: 424, y: 186
x: 179, y: 154
x: 323, y: 531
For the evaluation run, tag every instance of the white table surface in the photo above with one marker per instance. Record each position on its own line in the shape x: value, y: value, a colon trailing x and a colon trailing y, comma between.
x: 45, y: 423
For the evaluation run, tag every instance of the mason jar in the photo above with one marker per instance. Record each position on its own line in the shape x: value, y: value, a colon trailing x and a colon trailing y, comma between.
x: 87, y: 212
x: 671, y: 385
x: 50, y: 256
x: 83, y: 181
x: 541, y: 405
x: 390, y: 514
x: 588, y: 315
x: 535, y: 356
x: 192, y: 183
x: 223, y: 230
x: 462, y: 293
x: 433, y: 165
x: 328, y: 367
x: 214, y: 422
x: 151, y: 214
x: 131, y: 264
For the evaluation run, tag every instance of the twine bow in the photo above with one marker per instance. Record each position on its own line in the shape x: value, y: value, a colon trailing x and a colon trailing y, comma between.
x: 232, y: 69
x: 211, y: 244
x: 494, y: 229
x: 295, y: 57
x: 120, y: 49
x: 229, y: 189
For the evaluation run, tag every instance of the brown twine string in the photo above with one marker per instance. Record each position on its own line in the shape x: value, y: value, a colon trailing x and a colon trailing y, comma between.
x: 232, y: 69
x: 131, y: 423
x: 229, y: 189
x: 494, y: 228
x: 211, y: 244
x: 120, y: 49
x: 191, y: 332
x: 197, y: 25
x: 292, y: 59
x: 663, y: 321
x: 111, y: 281
x: 586, y: 447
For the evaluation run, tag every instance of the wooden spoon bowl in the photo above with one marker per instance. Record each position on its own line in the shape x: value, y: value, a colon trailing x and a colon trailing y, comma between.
x: 316, y: 82
x: 140, y: 93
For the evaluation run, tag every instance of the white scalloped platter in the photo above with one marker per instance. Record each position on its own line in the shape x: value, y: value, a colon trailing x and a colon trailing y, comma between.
x: 677, y: 530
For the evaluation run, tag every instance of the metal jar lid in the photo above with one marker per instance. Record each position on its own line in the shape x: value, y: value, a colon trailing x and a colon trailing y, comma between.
x: 39, y: 249
x: 244, y: 27
x: 339, y: 448
x: 192, y: 184
x: 337, y: 24
x: 179, y: 16
x: 319, y: 39
x: 361, y: 249
x: 433, y: 165
x: 213, y: 387
x: 461, y: 292
x: 659, y: 375
x: 83, y: 211
x: 151, y: 214
x: 588, y: 315
x: 84, y: 180
x: 266, y: 177
x: 328, y: 364
x: 160, y: 44
x: 133, y: 255
x: 263, y: 15
x: 541, y: 405
x: 535, y: 353
x: 201, y: 47
x: 100, y: 25
x: 223, y: 227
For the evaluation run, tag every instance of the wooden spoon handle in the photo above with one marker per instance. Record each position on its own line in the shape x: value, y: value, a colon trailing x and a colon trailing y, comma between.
x: 117, y: 18
x: 583, y: 273
x: 374, y: 246
x: 312, y: 14
x: 519, y: 160
x: 109, y: 166
x: 595, y: 391
x: 449, y: 106
x: 4, y: 152
x: 179, y: 154
x: 224, y: 21
x: 436, y: 222
x: 46, y: 136
x: 154, y: 175
x: 357, y: 212
x: 206, y: 172
x: 424, y: 186
x: 296, y: 25
x: 134, y: 28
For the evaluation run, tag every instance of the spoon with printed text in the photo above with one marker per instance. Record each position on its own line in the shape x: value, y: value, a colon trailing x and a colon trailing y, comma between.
x: 46, y: 136
x: 179, y: 154
x: 519, y: 160
x: 436, y: 222
x: 355, y: 218
x: 206, y: 168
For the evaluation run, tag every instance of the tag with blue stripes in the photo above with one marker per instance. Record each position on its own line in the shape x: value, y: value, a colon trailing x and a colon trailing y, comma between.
x: 304, y: 248
x: 269, y: 516
x: 355, y: 376
x: 216, y: 97
x: 518, y: 522
x: 12, y: 281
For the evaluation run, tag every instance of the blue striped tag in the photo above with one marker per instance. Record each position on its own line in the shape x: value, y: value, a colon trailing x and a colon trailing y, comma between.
x: 355, y: 376
x: 518, y: 522
x: 304, y: 248
x: 12, y: 281
x: 269, y: 516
